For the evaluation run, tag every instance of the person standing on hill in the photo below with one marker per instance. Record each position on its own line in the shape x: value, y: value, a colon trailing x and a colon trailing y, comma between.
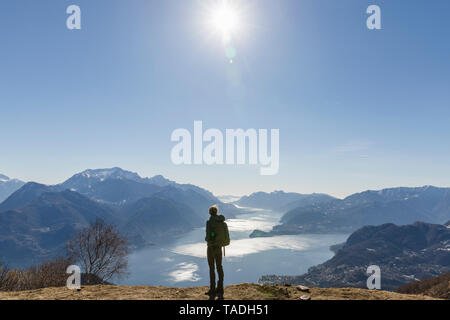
x: 217, y: 236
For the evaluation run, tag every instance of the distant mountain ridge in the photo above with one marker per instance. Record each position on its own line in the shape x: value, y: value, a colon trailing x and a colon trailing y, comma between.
x: 8, y: 186
x: 86, y: 181
x: 394, y: 205
x: 280, y: 200
x: 403, y: 253
x: 117, y: 187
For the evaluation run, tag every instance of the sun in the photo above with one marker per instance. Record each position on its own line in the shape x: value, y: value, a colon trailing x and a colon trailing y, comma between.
x: 225, y: 19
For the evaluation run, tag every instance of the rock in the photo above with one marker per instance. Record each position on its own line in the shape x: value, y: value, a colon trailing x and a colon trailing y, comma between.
x: 305, y: 298
x: 302, y: 288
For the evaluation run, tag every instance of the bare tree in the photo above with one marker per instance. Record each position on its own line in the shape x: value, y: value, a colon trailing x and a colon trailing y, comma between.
x: 4, y: 270
x: 101, y: 250
x: 48, y: 274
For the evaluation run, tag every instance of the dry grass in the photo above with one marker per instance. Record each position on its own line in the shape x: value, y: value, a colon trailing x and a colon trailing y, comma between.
x: 438, y: 287
x: 48, y: 274
x: 233, y: 292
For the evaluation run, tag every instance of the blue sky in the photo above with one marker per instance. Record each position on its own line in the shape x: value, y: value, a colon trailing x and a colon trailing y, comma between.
x: 357, y: 109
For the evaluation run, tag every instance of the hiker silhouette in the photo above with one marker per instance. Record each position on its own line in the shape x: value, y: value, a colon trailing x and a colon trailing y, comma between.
x: 217, y: 236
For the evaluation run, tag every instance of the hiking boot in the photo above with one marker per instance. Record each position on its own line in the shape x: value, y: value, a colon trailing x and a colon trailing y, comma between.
x: 212, y: 297
x: 219, y: 293
x: 210, y: 292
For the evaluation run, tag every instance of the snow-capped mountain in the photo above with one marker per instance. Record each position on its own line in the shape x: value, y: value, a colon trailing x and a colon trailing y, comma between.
x: 120, y: 186
x: 8, y: 186
x: 102, y: 174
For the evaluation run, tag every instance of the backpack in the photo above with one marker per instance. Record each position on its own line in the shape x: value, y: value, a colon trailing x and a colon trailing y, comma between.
x: 219, y: 233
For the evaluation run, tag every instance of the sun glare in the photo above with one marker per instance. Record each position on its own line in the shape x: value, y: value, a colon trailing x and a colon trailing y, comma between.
x: 228, y: 22
x: 225, y: 20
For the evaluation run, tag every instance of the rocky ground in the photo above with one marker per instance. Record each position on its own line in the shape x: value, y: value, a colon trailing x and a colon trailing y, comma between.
x: 233, y: 292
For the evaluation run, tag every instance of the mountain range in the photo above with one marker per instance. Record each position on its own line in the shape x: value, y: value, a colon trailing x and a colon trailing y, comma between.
x: 403, y: 253
x: 36, y: 220
x: 322, y: 214
x: 282, y: 201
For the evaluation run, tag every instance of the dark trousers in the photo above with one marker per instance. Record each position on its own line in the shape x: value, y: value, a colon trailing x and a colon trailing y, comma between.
x: 215, y: 257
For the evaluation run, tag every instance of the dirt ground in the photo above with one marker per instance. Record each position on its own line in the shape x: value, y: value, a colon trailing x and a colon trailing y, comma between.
x: 233, y: 292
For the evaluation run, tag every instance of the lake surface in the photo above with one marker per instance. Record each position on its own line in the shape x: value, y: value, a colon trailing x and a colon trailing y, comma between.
x: 183, y: 262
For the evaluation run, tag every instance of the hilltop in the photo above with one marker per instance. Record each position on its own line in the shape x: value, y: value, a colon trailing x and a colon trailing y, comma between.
x: 438, y: 287
x: 242, y: 291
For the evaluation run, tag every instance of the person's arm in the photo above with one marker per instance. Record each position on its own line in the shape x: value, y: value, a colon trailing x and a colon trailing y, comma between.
x: 207, y: 231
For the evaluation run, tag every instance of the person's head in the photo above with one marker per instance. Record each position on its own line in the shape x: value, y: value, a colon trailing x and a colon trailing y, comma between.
x: 213, y: 210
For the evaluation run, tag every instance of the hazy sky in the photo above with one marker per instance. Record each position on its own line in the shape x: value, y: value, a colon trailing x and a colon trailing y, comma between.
x: 357, y: 109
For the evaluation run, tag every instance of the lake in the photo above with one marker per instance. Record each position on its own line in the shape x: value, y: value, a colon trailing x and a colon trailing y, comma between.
x: 183, y: 262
